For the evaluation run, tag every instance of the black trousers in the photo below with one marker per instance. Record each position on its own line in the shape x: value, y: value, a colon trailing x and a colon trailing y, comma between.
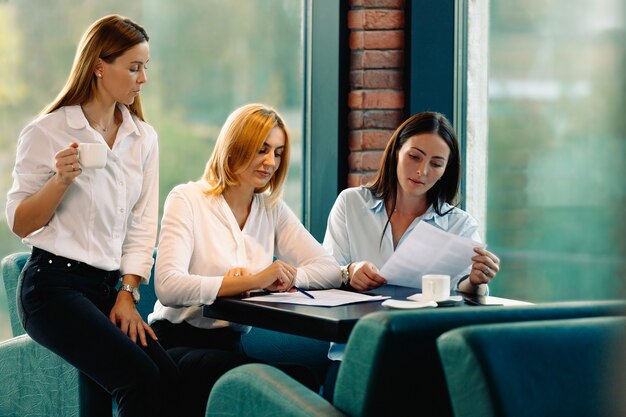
x: 203, y: 355
x: 64, y: 305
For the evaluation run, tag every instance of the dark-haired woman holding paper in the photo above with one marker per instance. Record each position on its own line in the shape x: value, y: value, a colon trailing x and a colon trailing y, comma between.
x: 418, y: 180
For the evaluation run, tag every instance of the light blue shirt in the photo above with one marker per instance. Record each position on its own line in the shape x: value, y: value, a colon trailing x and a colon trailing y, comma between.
x: 356, y: 223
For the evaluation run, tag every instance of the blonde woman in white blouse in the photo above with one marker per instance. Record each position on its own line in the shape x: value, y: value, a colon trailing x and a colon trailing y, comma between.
x: 92, y: 228
x: 225, y: 234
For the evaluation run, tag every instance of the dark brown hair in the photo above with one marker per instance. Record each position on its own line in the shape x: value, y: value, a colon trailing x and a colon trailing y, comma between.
x: 385, y: 185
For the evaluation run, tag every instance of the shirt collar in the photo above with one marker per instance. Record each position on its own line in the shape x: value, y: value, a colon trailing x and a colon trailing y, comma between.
x: 76, y: 119
x: 373, y: 203
x: 431, y: 216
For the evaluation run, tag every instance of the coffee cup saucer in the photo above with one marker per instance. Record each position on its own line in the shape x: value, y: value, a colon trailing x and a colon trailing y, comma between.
x: 391, y: 303
x: 451, y: 300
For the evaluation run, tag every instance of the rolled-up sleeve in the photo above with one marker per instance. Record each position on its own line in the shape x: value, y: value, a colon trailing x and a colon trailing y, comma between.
x: 32, y: 169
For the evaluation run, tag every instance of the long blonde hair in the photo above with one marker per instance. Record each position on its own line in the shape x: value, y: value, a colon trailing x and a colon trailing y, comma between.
x: 240, y: 139
x: 107, y: 38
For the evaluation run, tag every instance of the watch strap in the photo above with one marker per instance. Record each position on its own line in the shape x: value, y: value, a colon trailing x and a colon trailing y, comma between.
x: 134, y: 291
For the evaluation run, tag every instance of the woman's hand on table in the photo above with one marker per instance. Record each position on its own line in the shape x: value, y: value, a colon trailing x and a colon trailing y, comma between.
x: 364, y: 276
x: 279, y: 276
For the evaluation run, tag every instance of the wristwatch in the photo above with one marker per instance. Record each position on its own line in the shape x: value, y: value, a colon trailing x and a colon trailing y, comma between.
x: 134, y: 291
x: 345, y: 274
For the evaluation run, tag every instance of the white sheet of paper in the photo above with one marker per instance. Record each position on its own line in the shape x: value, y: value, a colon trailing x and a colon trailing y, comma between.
x: 325, y: 298
x: 428, y: 250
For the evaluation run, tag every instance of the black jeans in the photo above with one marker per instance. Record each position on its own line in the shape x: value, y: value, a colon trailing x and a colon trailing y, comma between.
x: 203, y: 355
x: 64, y: 305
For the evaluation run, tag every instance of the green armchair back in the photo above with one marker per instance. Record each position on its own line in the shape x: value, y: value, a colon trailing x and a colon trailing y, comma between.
x: 384, y: 350
x: 542, y: 369
x: 36, y: 382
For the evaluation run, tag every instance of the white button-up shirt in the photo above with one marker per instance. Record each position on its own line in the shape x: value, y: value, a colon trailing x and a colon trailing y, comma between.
x: 200, y: 240
x: 108, y: 216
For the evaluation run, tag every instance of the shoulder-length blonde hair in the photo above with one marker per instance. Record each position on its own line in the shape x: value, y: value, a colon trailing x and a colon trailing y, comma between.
x: 239, y: 141
x: 107, y: 38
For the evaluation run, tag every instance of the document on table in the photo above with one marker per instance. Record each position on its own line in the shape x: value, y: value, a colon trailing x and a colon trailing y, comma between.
x: 428, y: 250
x: 325, y: 298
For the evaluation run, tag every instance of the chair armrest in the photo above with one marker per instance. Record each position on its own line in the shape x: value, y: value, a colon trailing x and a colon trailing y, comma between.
x: 262, y: 390
x: 35, y: 381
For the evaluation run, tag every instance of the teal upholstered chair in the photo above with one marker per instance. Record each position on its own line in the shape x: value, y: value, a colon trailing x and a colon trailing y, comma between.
x: 37, y: 382
x: 385, y: 350
x: 33, y: 380
x: 10, y: 267
x: 573, y: 367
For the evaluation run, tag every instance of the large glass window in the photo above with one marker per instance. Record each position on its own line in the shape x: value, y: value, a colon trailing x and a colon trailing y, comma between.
x: 557, y: 142
x: 207, y: 58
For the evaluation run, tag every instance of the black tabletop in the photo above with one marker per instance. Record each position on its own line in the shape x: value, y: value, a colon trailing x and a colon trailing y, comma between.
x: 326, y: 323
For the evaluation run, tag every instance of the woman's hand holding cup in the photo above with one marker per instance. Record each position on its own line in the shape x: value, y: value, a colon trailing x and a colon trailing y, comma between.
x: 67, y: 165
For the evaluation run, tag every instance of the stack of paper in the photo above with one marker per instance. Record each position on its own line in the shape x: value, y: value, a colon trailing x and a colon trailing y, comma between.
x: 325, y: 298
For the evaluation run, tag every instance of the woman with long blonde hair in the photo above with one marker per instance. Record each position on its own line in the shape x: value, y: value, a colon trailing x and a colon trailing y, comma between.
x: 91, y: 227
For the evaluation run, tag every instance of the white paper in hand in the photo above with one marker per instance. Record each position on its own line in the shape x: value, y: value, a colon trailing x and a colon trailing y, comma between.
x: 428, y: 250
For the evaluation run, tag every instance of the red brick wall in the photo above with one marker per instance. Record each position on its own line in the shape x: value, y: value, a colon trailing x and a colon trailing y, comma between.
x: 376, y: 93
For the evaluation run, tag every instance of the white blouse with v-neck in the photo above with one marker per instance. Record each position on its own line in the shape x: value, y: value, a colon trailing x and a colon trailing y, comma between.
x: 200, y: 240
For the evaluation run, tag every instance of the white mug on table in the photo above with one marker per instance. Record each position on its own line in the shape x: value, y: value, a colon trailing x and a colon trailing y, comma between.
x: 435, y: 287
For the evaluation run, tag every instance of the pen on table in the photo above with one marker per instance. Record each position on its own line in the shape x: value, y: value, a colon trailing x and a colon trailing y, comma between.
x: 304, y: 292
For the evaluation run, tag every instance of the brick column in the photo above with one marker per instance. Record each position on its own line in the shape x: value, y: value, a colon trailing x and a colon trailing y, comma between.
x: 376, y: 94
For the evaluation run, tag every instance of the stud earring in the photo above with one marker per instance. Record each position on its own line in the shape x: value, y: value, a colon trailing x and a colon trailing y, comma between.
x: 99, y: 75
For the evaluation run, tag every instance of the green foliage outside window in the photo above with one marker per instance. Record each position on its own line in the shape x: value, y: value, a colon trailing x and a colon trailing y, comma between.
x: 207, y: 57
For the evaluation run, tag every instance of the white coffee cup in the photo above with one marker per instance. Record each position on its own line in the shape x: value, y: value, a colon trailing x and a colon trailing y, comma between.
x: 92, y: 155
x: 435, y: 287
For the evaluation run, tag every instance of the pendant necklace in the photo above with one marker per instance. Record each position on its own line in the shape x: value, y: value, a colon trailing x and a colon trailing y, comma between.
x: 98, y: 126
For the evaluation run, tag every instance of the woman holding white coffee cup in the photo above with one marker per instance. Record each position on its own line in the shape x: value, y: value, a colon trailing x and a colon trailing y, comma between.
x: 418, y: 180
x: 91, y: 217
